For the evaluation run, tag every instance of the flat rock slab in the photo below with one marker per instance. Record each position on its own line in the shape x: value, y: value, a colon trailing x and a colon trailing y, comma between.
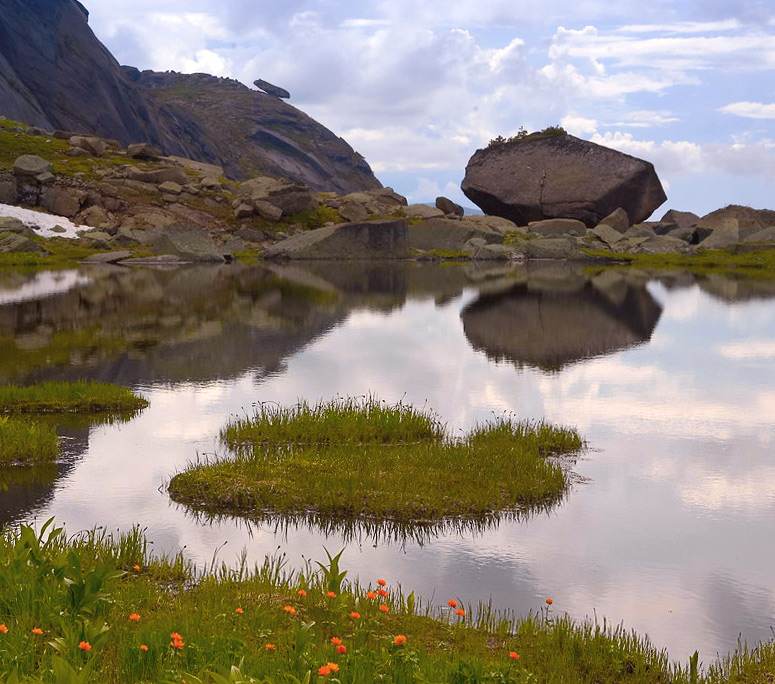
x: 107, y: 258
x: 561, y: 177
x: 449, y: 235
x: 366, y: 240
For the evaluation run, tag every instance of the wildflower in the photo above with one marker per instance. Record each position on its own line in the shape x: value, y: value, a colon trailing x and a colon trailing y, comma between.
x: 371, y: 595
x: 3, y: 629
x: 460, y: 612
x: 330, y: 594
x: 37, y: 630
x: 341, y: 649
x: 336, y: 641
x: 239, y: 611
x: 290, y: 610
x: 136, y: 567
x: 400, y: 640
x: 513, y: 655
x: 134, y: 617
x: 175, y: 636
x: 355, y: 615
x: 271, y: 647
x: 143, y: 647
x: 549, y: 602
x: 381, y: 582
x: 85, y: 646
x: 452, y: 603
x: 333, y: 667
x: 382, y: 593
x: 324, y: 670
x: 177, y: 641
x: 384, y: 608
x: 302, y: 593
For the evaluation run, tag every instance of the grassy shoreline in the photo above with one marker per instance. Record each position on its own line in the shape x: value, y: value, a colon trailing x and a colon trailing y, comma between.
x: 23, y: 441
x: 366, y: 460
x: 68, y: 397
x: 98, y: 608
x: 757, y: 264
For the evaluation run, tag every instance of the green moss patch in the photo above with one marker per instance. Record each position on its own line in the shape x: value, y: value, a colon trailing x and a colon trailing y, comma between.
x: 68, y: 397
x: 351, y: 459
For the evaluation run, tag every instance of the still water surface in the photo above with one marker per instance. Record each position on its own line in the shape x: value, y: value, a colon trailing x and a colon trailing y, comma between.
x: 669, y: 525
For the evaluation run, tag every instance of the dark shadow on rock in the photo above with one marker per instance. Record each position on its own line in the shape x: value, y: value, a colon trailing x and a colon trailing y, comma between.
x: 551, y: 324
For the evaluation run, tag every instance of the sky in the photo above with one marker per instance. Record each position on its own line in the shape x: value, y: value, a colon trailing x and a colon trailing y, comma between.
x: 418, y: 87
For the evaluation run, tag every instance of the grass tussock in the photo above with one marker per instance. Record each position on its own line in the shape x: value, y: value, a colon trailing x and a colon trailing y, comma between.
x: 99, y: 608
x: 367, y: 460
x: 25, y: 441
x: 343, y: 420
x: 69, y: 397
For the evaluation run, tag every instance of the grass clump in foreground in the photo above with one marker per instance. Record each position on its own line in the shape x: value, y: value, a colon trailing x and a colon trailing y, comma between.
x: 69, y: 397
x: 367, y: 460
x: 26, y: 441
x: 97, y: 608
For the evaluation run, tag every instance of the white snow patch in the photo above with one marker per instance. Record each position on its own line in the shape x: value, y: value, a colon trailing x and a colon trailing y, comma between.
x: 42, y: 223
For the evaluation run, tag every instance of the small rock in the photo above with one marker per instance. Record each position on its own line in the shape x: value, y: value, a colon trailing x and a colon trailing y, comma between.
x: 45, y: 178
x: 76, y: 152
x: 13, y: 242
x: 92, y: 145
x: 107, y: 258
x: 422, y: 211
x: 268, y: 211
x: 31, y: 165
x: 58, y: 229
x: 171, y: 188
x: 209, y: 183
x: 558, y: 227
x: 617, y: 219
x: 8, y: 192
x: 143, y: 151
x: 243, y: 211
x: 449, y: 207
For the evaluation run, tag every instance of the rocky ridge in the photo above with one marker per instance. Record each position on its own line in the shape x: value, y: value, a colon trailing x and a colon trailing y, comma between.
x: 56, y: 75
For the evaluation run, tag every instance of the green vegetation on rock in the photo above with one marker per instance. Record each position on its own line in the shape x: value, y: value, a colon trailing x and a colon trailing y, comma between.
x: 351, y: 459
x: 522, y: 134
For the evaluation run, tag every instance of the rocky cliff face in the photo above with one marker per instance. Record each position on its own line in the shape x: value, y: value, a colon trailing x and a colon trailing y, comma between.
x: 55, y: 74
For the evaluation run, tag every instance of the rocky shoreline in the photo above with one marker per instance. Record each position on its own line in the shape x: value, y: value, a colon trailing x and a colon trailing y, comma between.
x: 136, y: 203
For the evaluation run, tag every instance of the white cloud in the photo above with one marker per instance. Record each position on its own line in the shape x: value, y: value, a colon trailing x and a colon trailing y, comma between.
x: 750, y: 110
x: 748, y: 350
x: 578, y: 125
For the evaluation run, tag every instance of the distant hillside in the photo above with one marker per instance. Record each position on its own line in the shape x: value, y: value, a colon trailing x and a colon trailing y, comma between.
x: 55, y: 74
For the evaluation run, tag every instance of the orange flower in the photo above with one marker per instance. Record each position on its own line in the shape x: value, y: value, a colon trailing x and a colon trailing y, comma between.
x: 271, y: 647
x: 513, y: 655
x: 384, y: 608
x: 333, y: 667
x: 134, y: 617
x: 85, y: 646
x: 301, y: 593
x: 341, y: 649
x: 452, y: 603
x: 324, y: 670
x: 382, y: 593
x: 355, y: 615
x: 549, y: 602
x: 175, y: 636
x: 3, y: 629
x: 371, y: 595
x: 460, y: 612
x: 136, y: 567
x: 330, y: 594
x: 336, y: 641
x: 37, y: 630
x: 400, y: 640
x: 143, y: 647
x: 381, y: 582
x: 239, y: 611
x: 290, y: 610
x: 177, y: 641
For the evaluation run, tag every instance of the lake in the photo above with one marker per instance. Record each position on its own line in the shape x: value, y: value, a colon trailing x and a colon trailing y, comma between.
x: 668, y: 527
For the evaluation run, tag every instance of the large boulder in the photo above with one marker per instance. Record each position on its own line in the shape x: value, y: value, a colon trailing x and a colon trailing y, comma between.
x: 31, y: 165
x: 270, y: 89
x: 561, y: 177
x: 367, y: 240
x: 290, y: 198
x: 188, y: 243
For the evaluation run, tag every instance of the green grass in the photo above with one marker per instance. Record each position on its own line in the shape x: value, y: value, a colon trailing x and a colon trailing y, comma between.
x: 26, y: 441
x: 68, y: 397
x: 343, y: 420
x: 365, y: 460
x: 13, y: 144
x: 757, y: 263
x: 82, y: 590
